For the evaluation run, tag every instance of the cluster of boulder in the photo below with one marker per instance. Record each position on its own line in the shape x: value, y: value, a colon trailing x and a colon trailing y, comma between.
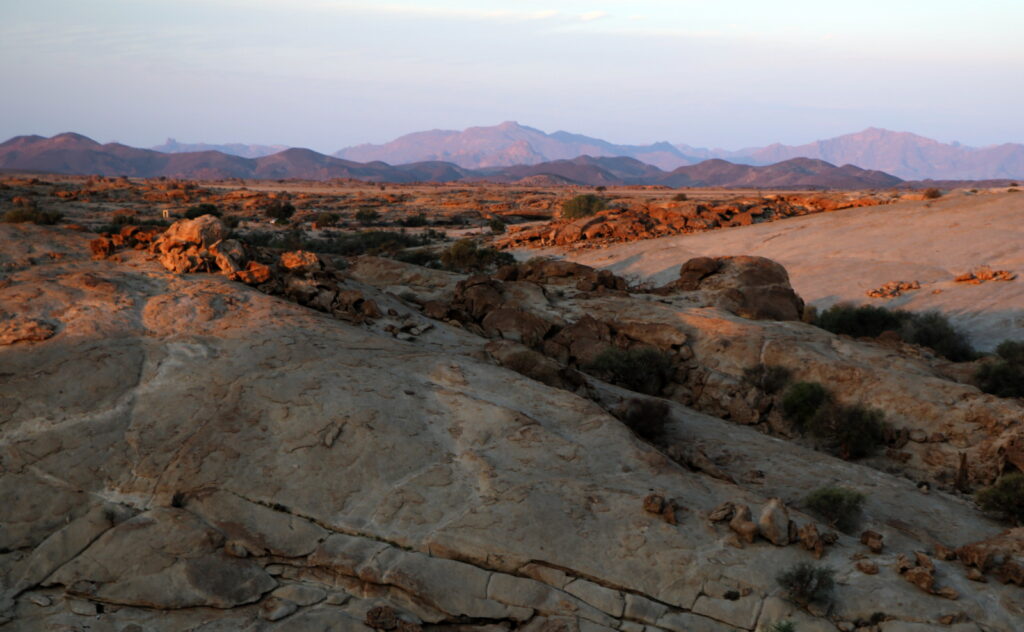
x: 892, y: 289
x: 983, y: 274
x: 671, y: 218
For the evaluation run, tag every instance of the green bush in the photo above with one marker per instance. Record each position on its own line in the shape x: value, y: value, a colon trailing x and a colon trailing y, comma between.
x: 851, y: 432
x: 766, y: 378
x: 782, y: 626
x: 496, y: 225
x: 325, y: 218
x: 931, y: 193
x: 466, y: 255
x: 640, y: 369
x: 933, y: 330
x: 861, y: 321
x: 840, y: 506
x: 31, y: 215
x: 1005, y: 497
x: 680, y: 197
x: 646, y: 417
x: 202, y: 209
x: 928, y: 329
x: 802, y: 401
x: 1004, y: 376
x: 582, y: 206
x: 805, y: 583
x: 366, y: 216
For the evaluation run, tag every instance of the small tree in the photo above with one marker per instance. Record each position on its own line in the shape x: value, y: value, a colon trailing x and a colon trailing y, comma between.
x: 325, y: 218
x: 496, y: 225
x: 840, y: 506
x: 931, y: 193
x: 582, y: 206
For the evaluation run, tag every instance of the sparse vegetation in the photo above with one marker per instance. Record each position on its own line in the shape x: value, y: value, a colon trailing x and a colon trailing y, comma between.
x: 851, y: 432
x: 806, y: 583
x: 367, y: 216
x: 496, y: 225
x: 768, y: 378
x: 802, y: 401
x: 326, y: 218
x: 279, y: 210
x: 414, y: 221
x: 202, y: 209
x: 928, y: 329
x: 645, y: 417
x: 583, y: 205
x: 840, y: 506
x: 383, y: 243
x: 782, y: 626
x: 31, y: 215
x: 467, y: 256
x: 642, y: 369
x: 1004, y: 376
x: 680, y: 197
x: 931, y: 193
x: 1005, y: 497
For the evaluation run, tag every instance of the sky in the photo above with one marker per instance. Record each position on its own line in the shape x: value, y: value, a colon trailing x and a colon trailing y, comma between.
x: 326, y: 74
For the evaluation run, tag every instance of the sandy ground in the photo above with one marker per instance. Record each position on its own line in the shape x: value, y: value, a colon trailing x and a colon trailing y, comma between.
x: 839, y: 256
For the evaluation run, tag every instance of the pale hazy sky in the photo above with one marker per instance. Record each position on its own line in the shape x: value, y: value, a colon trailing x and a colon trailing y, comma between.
x: 330, y: 73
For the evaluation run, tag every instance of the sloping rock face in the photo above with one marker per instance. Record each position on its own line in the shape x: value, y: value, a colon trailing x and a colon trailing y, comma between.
x: 188, y: 453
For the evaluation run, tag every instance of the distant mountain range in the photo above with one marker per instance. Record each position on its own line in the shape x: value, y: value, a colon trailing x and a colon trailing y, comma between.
x: 76, y: 154
x: 901, y: 154
x: 506, y: 145
x: 172, y: 146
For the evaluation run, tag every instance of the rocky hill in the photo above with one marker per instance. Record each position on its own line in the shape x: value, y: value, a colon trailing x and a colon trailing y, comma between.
x: 76, y: 154
x: 172, y: 146
x: 392, y: 447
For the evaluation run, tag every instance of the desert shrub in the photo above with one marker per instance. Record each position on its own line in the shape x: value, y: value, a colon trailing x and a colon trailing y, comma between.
x: 31, y: 215
x: 1004, y: 376
x: 466, y: 255
x: 279, y: 210
x: 326, y: 218
x: 680, y: 197
x: 767, y: 378
x: 931, y: 193
x: 601, y: 188
x: 415, y: 221
x: 802, y: 401
x: 496, y: 225
x: 645, y: 417
x: 933, y: 330
x: 840, y: 506
x: 202, y: 209
x: 806, y: 583
x: 782, y: 626
x: 928, y: 329
x: 640, y: 369
x: 231, y: 221
x: 371, y: 242
x: 859, y: 321
x: 582, y: 206
x: 366, y: 216
x: 1005, y: 497
x: 851, y: 432
x: 420, y: 257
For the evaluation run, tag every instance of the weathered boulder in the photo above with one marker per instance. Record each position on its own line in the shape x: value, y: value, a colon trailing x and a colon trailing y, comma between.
x: 752, y: 287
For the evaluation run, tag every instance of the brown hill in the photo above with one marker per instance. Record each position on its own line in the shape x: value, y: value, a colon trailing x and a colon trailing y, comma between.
x: 795, y: 173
